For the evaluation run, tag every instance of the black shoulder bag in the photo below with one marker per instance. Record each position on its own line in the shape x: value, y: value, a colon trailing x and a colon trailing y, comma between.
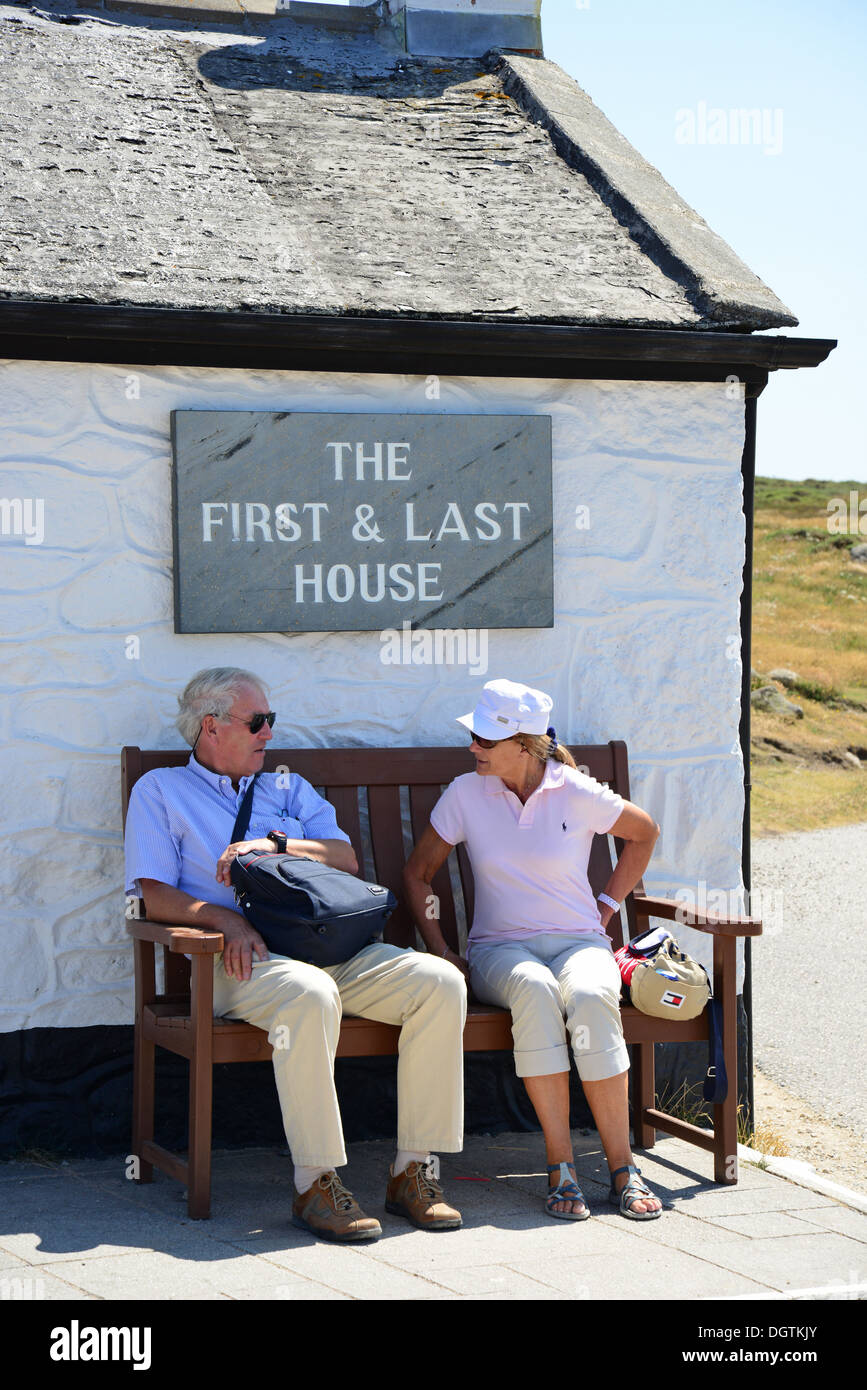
x: 302, y: 908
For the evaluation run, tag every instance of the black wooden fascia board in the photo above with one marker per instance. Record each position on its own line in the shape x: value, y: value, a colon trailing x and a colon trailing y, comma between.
x: 93, y: 333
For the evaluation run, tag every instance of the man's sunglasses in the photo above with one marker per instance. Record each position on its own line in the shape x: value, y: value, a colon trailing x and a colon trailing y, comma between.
x: 254, y: 724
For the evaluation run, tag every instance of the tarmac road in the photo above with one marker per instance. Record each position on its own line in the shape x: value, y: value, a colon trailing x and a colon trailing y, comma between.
x: 810, y: 968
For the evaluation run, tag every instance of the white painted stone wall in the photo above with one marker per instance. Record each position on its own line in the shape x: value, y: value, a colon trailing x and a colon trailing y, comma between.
x: 644, y: 647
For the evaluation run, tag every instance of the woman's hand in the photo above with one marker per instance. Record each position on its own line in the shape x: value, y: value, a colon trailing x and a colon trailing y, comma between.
x: 605, y: 913
x: 231, y: 852
x: 454, y: 959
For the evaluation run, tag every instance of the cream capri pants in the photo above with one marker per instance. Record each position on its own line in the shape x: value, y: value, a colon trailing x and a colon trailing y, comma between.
x: 553, y: 984
x: 300, y: 1007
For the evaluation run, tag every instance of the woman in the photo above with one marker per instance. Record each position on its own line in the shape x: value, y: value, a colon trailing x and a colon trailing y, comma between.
x: 538, y: 944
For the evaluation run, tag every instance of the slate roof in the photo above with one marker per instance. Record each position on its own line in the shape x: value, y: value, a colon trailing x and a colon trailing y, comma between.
x: 288, y: 168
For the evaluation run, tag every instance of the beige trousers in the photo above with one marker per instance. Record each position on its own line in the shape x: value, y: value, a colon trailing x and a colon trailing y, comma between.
x: 556, y: 985
x: 300, y: 1007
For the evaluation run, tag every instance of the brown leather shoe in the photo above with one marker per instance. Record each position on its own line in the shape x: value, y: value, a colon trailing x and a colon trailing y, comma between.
x: 417, y: 1195
x: 330, y: 1211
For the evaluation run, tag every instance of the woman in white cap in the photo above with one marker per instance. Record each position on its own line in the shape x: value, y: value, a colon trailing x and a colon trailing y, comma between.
x: 538, y: 944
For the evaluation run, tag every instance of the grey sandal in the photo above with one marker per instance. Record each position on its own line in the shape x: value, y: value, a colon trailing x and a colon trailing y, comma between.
x: 635, y: 1189
x: 567, y: 1190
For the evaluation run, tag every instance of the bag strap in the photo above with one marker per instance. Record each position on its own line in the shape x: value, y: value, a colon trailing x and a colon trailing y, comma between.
x: 245, y: 810
x: 716, y: 1086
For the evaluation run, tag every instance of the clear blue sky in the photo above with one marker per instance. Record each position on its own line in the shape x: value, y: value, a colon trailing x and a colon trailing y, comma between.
x: 796, y: 214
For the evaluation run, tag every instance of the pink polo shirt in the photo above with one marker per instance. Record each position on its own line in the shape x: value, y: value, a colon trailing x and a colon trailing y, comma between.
x: 529, y: 861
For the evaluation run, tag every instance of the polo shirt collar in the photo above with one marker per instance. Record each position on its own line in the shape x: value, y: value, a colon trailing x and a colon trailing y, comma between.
x: 554, y: 776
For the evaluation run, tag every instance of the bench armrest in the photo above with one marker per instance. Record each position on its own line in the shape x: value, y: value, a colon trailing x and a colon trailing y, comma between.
x: 178, y: 939
x: 702, y: 921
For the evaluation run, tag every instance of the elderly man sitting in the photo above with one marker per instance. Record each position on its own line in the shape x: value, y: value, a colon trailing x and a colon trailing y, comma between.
x: 178, y: 854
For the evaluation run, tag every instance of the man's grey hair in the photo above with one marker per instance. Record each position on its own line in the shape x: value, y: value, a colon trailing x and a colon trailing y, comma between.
x: 212, y: 691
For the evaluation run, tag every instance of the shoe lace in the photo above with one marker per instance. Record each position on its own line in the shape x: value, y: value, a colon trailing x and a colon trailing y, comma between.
x: 341, y: 1197
x: 427, y: 1178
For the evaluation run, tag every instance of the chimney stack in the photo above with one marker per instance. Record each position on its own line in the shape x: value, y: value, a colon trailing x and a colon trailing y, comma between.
x: 466, y: 28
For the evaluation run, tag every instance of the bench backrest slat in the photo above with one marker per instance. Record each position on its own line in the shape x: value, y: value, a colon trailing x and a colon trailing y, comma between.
x: 345, y: 803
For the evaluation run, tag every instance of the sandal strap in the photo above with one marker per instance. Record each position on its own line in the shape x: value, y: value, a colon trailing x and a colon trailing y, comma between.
x: 627, y: 1168
x: 635, y: 1189
x: 567, y: 1190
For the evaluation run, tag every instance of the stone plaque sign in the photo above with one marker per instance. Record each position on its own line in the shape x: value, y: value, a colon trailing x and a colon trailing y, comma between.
x: 301, y: 522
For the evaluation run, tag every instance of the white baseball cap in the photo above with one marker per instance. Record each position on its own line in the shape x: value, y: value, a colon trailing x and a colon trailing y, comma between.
x: 505, y: 708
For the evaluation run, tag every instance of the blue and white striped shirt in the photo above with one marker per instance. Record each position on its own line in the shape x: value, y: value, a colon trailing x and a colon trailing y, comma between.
x: 180, y: 819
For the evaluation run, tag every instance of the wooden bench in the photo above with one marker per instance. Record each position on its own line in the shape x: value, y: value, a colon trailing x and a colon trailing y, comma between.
x: 393, y: 780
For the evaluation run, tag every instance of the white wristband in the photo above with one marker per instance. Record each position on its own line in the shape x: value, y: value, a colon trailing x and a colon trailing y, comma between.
x: 609, y: 902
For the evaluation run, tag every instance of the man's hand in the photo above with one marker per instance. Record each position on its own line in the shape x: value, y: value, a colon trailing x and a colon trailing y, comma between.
x: 241, y: 940
x: 167, y: 904
x: 231, y: 852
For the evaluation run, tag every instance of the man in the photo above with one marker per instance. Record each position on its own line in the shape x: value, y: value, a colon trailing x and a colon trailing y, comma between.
x: 178, y: 857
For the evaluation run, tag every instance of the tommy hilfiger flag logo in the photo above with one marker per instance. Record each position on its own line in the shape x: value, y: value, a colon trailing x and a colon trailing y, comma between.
x: 673, y: 1000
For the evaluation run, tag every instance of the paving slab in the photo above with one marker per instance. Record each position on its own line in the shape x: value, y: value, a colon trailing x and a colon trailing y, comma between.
x: 764, y: 1225
x: 50, y: 1221
x: 739, y: 1201
x: 797, y: 1262
x: 39, y: 1286
x: 155, y: 1275
x: 23, y: 1172
x: 642, y: 1276
x: 842, y: 1219
x: 353, y: 1271
x: 483, y: 1281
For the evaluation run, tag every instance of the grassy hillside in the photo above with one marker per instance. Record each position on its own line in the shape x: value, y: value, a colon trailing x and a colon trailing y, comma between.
x: 809, y: 616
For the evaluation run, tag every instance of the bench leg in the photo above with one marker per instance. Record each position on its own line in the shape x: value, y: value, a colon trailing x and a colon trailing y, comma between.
x: 725, y: 1116
x: 144, y: 1061
x: 643, y: 1094
x: 143, y: 1104
x: 201, y: 1088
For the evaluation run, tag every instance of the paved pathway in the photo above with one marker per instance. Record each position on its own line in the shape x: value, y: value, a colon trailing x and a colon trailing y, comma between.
x: 81, y: 1231
x: 810, y: 968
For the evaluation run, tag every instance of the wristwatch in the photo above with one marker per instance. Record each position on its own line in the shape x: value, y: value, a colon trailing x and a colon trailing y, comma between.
x: 278, y: 840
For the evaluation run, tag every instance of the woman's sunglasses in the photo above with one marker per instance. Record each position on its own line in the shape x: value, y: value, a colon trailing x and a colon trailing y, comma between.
x: 486, y: 742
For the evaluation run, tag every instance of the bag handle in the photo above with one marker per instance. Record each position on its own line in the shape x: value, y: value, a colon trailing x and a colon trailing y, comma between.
x: 245, y: 810
x: 716, y: 1085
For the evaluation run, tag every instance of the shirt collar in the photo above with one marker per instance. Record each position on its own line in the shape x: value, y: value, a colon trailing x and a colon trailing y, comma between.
x: 220, y: 781
x: 553, y: 777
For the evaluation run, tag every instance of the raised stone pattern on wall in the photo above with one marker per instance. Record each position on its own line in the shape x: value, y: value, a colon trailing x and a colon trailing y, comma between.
x: 645, y: 643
